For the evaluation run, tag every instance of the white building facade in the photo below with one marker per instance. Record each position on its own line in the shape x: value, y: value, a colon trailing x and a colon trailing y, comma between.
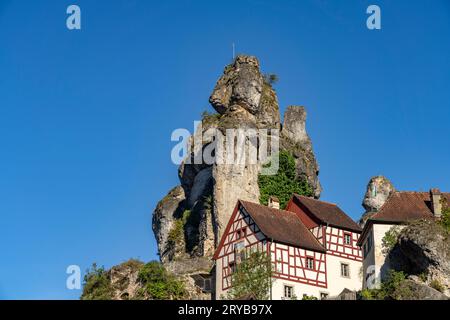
x: 400, y: 208
x: 309, y: 256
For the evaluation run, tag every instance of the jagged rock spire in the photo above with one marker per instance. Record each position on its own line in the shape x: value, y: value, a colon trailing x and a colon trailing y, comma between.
x: 204, y: 202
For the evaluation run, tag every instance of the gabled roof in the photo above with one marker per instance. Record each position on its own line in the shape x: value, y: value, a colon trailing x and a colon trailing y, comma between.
x: 328, y: 213
x: 277, y: 225
x: 282, y: 226
x: 403, y: 206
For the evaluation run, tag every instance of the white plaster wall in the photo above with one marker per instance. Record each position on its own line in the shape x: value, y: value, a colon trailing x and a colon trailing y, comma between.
x: 369, y: 260
x: 299, y: 289
x: 375, y: 256
x: 337, y: 283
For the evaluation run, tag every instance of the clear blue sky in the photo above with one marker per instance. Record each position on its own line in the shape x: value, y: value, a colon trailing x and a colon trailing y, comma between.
x: 86, y: 116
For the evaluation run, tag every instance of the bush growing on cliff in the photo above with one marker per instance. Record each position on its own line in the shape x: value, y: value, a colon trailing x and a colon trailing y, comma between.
x: 159, y: 284
x: 392, y: 288
x: 390, y: 239
x: 284, y: 183
x: 177, y: 232
x: 445, y: 220
x: 153, y: 282
x: 437, y: 285
x: 210, y: 118
x: 97, y: 285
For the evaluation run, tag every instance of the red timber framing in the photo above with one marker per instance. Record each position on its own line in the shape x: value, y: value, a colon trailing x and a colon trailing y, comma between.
x: 335, y: 243
x: 289, y: 263
x: 331, y: 237
x: 252, y: 239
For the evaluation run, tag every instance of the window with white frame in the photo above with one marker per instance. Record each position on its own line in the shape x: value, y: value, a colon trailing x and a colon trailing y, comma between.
x: 310, y: 263
x: 345, y: 270
x: 347, y: 239
x: 288, y: 292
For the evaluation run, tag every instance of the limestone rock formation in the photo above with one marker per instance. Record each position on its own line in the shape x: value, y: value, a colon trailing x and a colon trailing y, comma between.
x: 241, y: 84
x: 295, y: 139
x: 189, y: 221
x: 124, y: 280
x: 415, y: 290
x: 423, y: 249
x: 121, y: 282
x: 378, y: 191
x: 167, y: 210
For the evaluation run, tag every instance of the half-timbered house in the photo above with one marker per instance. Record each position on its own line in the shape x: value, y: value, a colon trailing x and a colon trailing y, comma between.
x: 313, y: 252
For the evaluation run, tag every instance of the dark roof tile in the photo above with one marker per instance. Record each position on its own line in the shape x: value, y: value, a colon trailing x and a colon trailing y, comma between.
x: 282, y: 226
x: 328, y: 213
x: 403, y: 206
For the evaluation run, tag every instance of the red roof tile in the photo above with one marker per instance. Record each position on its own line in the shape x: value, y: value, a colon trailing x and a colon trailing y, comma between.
x: 328, y: 213
x: 403, y: 206
x: 282, y: 226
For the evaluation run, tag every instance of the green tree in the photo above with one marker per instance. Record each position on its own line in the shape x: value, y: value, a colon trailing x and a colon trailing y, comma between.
x: 284, y: 183
x: 253, y: 276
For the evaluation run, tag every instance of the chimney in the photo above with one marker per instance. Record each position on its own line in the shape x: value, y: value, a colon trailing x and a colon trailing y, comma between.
x: 274, y: 202
x: 435, y: 195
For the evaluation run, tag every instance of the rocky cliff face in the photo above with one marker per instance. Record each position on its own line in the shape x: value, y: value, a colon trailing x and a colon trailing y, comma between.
x: 295, y: 139
x: 189, y: 221
x: 423, y: 251
x: 378, y: 191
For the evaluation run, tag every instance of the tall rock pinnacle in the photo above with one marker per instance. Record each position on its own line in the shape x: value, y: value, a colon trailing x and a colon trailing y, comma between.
x: 189, y: 221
